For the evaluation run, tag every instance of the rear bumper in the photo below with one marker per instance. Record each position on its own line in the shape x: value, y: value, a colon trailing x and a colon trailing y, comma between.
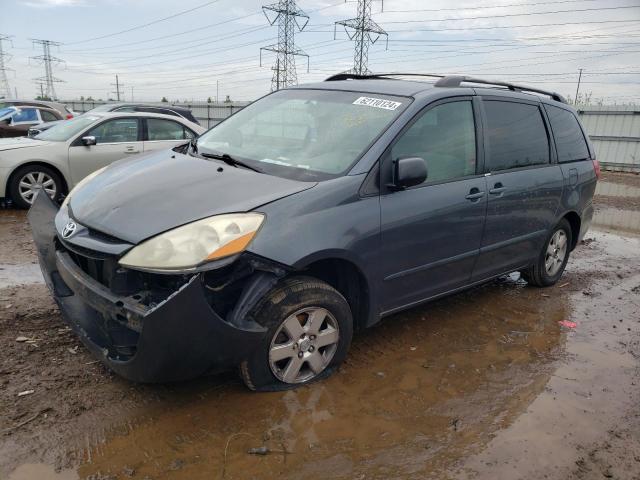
x: 178, y: 338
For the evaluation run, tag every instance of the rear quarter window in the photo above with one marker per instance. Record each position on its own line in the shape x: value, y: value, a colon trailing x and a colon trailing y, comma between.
x: 570, y: 142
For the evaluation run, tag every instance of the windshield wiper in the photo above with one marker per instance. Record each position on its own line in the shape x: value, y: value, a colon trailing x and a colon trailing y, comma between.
x: 229, y: 160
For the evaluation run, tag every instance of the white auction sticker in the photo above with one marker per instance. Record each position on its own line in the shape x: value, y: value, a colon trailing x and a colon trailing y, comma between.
x: 377, y: 103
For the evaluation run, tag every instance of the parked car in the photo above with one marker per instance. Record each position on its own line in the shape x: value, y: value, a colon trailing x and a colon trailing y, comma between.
x: 59, y: 158
x: 15, y: 121
x: 125, y: 107
x: 63, y: 110
x: 311, y: 213
x: 149, y: 108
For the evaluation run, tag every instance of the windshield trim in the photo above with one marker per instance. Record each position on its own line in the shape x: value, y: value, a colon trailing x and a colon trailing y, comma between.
x: 321, y: 175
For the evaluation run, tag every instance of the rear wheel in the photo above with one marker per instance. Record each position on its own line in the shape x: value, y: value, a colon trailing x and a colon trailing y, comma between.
x: 26, y: 181
x: 552, y: 259
x: 309, y: 332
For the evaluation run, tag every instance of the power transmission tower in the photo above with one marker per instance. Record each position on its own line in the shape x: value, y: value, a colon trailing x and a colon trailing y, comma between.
x: 118, y: 86
x: 364, y: 31
x: 48, y: 62
x: 289, y: 17
x: 5, y: 90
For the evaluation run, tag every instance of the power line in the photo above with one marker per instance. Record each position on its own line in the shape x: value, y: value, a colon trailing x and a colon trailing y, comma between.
x: 485, y: 7
x: 563, y: 24
x: 507, y: 15
x: 144, y: 25
x: 288, y: 17
x: 48, y: 80
x: 364, y: 30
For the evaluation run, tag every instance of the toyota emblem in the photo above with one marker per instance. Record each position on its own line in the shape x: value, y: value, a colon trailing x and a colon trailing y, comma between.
x: 69, y: 229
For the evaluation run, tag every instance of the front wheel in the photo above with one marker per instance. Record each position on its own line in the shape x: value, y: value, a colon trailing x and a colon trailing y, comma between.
x: 309, y: 332
x: 552, y: 259
x: 26, y: 181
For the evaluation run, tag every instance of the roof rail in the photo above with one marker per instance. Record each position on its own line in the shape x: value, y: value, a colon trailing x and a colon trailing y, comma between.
x: 456, y: 80
x: 355, y: 76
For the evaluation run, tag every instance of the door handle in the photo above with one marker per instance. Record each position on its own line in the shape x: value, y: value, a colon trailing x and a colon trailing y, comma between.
x: 130, y: 149
x: 497, y: 189
x: 474, y: 195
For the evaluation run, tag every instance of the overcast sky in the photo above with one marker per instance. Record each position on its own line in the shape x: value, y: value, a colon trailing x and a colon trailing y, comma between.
x: 534, y: 42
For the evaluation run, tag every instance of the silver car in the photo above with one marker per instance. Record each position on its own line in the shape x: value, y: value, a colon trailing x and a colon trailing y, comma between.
x: 62, y: 156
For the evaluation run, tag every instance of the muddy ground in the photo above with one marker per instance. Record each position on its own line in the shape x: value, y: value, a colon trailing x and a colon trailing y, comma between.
x: 484, y: 384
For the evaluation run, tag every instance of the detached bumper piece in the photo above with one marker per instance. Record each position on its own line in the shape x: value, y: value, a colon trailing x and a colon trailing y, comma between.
x: 153, y: 336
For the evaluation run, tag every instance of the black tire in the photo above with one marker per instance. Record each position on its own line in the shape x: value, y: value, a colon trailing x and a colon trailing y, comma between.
x: 537, y: 274
x: 19, y: 174
x: 289, y: 296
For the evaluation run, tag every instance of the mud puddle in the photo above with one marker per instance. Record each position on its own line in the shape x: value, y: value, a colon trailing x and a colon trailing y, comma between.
x: 483, y: 384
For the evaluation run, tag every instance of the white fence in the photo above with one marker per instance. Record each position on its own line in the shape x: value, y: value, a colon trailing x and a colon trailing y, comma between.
x: 208, y: 114
x: 615, y: 133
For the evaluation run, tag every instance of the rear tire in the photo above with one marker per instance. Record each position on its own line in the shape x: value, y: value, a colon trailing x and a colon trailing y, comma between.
x: 310, y: 327
x: 25, y: 180
x: 553, y: 258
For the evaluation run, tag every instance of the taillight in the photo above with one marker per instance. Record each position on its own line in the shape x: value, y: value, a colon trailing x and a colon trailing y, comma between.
x: 69, y: 116
x: 596, y: 168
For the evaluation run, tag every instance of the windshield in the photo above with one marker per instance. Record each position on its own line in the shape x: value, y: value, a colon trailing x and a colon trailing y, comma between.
x: 63, y: 131
x: 304, y: 134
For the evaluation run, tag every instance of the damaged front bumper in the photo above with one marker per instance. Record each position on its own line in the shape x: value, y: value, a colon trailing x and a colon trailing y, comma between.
x: 176, y: 337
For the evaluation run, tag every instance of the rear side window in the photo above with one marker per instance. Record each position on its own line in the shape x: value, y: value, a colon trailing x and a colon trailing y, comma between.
x: 570, y: 141
x: 160, y: 129
x: 516, y: 135
x: 47, y: 116
x: 445, y: 138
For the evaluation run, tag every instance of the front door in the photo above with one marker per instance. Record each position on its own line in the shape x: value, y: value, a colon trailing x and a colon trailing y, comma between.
x: 524, y: 187
x: 431, y: 233
x: 115, y: 139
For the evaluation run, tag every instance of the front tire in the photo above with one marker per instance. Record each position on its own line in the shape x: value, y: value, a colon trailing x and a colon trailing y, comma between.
x: 310, y: 327
x: 552, y: 259
x: 26, y: 181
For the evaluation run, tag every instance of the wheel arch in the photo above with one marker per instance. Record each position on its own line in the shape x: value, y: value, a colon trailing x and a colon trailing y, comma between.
x: 12, y: 174
x: 575, y: 222
x: 347, y: 278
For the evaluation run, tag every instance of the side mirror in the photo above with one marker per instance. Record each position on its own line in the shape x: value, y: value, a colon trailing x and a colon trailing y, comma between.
x: 408, y: 172
x: 88, y: 141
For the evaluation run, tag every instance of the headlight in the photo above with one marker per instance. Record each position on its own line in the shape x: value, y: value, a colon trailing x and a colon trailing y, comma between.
x: 192, y: 245
x: 80, y: 184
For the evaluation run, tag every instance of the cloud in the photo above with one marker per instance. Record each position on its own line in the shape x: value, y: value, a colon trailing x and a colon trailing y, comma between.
x: 54, y: 3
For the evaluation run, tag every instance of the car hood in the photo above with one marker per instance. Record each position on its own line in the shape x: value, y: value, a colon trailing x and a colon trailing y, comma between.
x: 20, y: 142
x: 138, y: 198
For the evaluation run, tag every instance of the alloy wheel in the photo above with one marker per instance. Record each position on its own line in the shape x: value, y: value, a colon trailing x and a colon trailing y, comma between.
x: 32, y: 181
x: 556, y: 253
x: 304, y: 345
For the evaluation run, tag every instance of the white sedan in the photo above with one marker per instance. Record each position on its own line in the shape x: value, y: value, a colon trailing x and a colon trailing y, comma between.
x: 58, y: 158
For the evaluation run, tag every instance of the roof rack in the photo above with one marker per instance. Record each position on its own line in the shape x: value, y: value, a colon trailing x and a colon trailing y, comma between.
x: 448, y: 81
x: 456, y: 80
x: 370, y: 76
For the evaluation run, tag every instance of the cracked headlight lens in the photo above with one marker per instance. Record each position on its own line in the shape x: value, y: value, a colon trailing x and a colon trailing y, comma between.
x: 192, y: 245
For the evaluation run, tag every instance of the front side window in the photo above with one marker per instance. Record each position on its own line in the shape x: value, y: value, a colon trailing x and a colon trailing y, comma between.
x: 516, y: 135
x: 159, y: 129
x: 570, y: 141
x: 304, y: 134
x: 26, y: 115
x: 445, y: 138
x: 116, y: 131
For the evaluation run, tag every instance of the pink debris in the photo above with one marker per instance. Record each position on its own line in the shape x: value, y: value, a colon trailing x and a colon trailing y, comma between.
x: 568, y: 324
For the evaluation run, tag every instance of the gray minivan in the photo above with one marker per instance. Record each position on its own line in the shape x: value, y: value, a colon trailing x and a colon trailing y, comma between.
x: 312, y: 213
